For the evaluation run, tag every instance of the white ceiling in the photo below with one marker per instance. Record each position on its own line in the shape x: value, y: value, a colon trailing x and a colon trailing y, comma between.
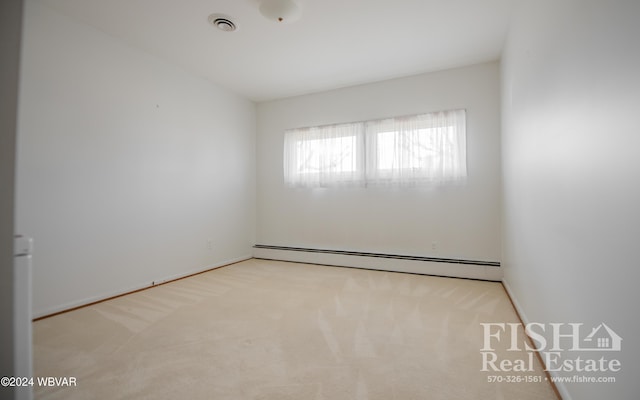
x: 336, y: 43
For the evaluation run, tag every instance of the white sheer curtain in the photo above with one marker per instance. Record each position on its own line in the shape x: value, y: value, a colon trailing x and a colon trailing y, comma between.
x: 324, y: 156
x: 417, y: 150
x: 426, y: 149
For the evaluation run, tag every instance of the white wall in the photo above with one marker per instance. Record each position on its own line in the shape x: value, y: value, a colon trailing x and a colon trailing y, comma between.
x: 464, y: 220
x: 127, y: 165
x: 571, y: 171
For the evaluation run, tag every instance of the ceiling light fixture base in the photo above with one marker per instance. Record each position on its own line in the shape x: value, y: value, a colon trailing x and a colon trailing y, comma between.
x: 281, y: 11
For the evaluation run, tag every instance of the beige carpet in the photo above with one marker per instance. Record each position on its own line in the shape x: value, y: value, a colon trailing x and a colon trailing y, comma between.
x: 274, y: 330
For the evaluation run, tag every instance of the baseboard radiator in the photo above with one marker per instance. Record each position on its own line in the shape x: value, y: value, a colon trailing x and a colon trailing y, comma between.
x: 471, y: 269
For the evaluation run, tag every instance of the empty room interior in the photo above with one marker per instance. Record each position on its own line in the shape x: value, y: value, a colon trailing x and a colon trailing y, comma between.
x: 276, y: 199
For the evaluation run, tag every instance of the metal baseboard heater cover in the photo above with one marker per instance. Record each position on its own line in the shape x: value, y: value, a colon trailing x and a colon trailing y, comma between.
x: 448, y: 267
x: 381, y: 255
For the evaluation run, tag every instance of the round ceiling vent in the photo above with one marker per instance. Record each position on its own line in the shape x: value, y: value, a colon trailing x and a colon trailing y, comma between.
x: 222, y: 22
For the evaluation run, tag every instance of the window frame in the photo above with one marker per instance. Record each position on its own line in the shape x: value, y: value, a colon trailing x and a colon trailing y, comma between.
x: 366, y: 152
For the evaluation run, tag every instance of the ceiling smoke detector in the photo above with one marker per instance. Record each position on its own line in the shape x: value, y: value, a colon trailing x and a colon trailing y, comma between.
x: 222, y: 22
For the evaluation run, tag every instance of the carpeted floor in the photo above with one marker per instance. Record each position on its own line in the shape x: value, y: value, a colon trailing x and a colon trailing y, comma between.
x: 274, y: 330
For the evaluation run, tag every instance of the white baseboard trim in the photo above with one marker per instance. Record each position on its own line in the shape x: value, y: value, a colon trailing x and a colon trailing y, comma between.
x: 562, y: 389
x: 105, y: 296
x: 414, y: 265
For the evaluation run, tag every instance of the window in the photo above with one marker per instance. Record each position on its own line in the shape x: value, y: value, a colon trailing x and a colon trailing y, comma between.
x: 324, y: 156
x: 401, y: 151
x: 420, y: 149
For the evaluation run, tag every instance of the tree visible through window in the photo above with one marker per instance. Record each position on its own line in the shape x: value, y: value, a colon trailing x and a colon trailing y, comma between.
x: 337, y: 155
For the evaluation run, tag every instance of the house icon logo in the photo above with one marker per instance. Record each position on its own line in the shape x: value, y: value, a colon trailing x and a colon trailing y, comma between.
x: 602, y: 338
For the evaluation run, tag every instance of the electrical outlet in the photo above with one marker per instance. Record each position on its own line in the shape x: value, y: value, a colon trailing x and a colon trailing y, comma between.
x: 435, y: 245
x: 210, y: 244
